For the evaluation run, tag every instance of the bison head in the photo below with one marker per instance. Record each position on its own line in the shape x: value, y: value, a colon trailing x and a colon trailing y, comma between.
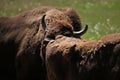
x: 56, y: 23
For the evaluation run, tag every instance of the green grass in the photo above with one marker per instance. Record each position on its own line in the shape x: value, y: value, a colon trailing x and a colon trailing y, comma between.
x: 103, y: 17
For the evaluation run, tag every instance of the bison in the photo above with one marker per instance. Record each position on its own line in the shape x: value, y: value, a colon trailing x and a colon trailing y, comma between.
x: 23, y: 39
x: 74, y: 59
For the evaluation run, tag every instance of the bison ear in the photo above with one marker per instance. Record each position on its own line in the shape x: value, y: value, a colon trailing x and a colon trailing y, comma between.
x: 43, y: 22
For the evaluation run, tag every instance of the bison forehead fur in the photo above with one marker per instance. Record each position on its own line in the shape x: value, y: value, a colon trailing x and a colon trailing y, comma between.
x: 84, y: 59
x: 54, y: 15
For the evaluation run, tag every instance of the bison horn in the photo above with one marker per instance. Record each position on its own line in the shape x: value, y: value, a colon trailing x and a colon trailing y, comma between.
x: 43, y: 22
x: 81, y: 32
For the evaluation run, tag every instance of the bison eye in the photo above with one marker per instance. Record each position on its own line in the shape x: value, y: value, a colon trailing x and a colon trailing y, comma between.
x: 67, y: 33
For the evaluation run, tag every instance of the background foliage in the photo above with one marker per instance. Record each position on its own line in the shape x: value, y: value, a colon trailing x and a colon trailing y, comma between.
x: 102, y: 16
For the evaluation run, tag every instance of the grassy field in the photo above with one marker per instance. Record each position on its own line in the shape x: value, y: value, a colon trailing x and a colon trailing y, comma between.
x: 103, y: 17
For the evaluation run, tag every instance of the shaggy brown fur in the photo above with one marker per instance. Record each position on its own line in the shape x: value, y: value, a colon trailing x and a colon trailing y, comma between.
x: 16, y: 39
x: 21, y: 37
x: 74, y: 59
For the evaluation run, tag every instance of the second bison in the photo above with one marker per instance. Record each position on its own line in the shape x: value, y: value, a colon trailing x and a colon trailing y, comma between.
x: 74, y: 59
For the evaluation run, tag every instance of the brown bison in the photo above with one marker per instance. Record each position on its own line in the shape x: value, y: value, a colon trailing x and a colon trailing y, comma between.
x: 74, y: 59
x: 22, y: 38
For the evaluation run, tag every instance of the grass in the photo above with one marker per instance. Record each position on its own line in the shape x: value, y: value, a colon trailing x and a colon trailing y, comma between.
x: 103, y: 16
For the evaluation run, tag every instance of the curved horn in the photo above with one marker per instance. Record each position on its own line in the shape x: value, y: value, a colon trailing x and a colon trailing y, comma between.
x: 81, y: 32
x: 43, y: 22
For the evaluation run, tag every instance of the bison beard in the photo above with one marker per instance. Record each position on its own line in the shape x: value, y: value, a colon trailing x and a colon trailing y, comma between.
x: 73, y: 59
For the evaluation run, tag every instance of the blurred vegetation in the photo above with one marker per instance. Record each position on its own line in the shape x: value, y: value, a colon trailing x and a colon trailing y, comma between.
x: 103, y: 16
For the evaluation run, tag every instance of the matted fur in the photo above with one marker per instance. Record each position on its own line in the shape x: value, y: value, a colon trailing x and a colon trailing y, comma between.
x: 21, y: 37
x: 84, y: 59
